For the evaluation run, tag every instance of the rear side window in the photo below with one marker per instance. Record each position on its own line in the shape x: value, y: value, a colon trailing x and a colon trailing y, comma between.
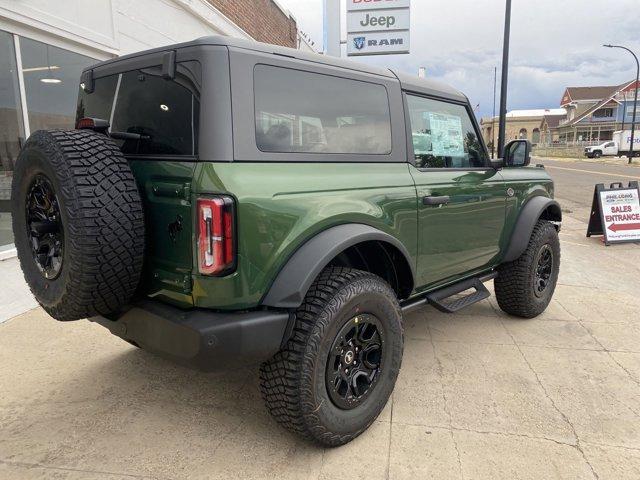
x: 443, y: 135
x: 303, y: 112
x: 164, y: 113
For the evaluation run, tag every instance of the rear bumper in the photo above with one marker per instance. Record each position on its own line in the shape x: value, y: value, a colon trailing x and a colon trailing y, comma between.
x: 201, y: 339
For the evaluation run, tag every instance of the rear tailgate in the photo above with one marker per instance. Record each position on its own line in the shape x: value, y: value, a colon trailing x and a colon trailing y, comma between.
x: 153, y: 112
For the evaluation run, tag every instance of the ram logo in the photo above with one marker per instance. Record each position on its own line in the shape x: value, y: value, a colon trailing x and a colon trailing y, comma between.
x: 358, y: 42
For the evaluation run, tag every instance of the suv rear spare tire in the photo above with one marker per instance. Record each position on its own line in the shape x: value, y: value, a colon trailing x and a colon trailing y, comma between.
x: 78, y: 223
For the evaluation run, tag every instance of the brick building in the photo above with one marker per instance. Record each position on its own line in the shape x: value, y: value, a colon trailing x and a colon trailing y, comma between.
x: 519, y: 124
x: 263, y: 20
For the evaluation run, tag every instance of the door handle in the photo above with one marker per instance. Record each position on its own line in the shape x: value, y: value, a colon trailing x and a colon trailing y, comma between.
x: 433, y: 200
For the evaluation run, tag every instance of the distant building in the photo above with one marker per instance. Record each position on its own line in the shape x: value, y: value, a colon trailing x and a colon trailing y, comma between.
x: 520, y: 124
x: 594, y: 113
x: 549, y: 128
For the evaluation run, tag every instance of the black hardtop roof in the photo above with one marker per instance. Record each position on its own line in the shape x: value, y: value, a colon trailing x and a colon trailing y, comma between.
x: 409, y: 82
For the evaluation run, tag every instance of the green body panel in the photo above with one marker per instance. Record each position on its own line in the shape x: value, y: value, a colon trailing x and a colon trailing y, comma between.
x: 464, y: 235
x: 165, y: 187
x: 526, y: 182
x: 282, y: 205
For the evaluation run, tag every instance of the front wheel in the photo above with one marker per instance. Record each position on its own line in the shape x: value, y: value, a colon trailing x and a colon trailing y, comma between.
x: 525, y: 286
x: 338, y: 369
x: 597, y: 154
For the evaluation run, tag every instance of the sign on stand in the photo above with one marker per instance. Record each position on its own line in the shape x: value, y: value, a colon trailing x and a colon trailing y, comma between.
x: 377, y: 27
x: 615, y: 213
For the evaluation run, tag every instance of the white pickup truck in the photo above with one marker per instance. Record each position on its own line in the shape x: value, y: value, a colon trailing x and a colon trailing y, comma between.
x: 609, y: 148
x: 620, y: 145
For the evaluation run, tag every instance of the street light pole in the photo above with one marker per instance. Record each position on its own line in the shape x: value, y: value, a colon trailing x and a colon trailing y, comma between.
x: 635, y: 97
x: 503, y: 79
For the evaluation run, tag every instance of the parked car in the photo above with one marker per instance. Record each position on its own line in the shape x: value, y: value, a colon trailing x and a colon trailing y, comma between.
x: 609, y: 148
x: 224, y: 202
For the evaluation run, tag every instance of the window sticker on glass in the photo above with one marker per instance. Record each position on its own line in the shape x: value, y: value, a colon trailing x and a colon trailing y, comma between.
x: 446, y: 134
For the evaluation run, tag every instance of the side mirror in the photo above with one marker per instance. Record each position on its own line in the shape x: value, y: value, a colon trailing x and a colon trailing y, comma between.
x: 517, y: 153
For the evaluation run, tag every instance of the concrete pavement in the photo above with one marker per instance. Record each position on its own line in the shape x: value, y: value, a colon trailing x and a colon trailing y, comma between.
x: 15, y: 296
x: 480, y: 395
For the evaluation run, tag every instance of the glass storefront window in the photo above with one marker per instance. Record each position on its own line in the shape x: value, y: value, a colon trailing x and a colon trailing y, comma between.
x: 51, y: 78
x: 11, y: 129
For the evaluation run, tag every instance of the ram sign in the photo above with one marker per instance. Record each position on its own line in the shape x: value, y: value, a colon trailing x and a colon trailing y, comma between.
x: 377, y: 27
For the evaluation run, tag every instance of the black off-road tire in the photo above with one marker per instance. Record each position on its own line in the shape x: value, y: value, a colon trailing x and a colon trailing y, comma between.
x: 597, y: 154
x: 515, y: 285
x: 101, y: 216
x: 293, y: 382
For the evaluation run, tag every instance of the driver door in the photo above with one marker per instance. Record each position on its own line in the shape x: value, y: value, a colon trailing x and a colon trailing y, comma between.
x: 461, y: 197
x: 610, y: 148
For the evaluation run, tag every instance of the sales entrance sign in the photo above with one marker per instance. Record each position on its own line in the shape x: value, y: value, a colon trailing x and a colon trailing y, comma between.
x: 615, y: 213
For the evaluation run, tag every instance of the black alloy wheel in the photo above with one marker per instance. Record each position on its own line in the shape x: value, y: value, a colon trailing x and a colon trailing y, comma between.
x: 355, y: 361
x: 544, y: 270
x: 44, y: 227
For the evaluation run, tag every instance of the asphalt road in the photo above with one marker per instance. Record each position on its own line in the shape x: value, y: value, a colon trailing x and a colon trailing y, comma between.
x: 575, y: 182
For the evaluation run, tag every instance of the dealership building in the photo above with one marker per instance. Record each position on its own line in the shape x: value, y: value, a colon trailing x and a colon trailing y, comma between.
x: 44, y: 46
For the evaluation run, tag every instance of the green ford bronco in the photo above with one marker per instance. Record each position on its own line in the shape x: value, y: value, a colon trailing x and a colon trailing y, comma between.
x: 224, y: 202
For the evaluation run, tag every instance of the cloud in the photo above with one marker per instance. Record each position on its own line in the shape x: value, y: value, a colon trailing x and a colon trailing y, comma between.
x: 554, y: 44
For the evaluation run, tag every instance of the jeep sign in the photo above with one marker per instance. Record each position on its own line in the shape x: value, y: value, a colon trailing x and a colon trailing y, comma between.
x: 377, y: 27
x: 377, y: 20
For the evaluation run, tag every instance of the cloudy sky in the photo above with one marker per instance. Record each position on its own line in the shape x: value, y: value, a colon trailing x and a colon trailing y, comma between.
x: 554, y: 44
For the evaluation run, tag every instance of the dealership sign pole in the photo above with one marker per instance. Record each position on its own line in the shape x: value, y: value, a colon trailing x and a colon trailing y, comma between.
x: 331, y: 33
x: 503, y: 80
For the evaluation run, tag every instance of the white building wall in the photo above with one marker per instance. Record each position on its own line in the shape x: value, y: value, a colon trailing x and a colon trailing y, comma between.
x: 106, y: 28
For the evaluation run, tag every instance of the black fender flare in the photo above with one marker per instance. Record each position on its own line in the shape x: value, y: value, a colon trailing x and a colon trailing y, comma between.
x: 294, y: 279
x: 529, y: 216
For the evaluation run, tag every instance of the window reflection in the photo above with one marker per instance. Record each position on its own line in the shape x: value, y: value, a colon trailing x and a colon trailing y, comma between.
x: 11, y: 129
x: 443, y: 135
x: 51, y: 77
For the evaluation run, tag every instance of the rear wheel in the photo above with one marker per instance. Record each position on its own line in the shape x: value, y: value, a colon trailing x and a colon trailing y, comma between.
x: 77, y: 222
x: 338, y: 369
x: 525, y: 286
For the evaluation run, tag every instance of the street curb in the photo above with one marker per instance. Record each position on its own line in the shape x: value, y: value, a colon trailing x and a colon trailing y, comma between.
x: 7, y: 252
x: 600, y: 161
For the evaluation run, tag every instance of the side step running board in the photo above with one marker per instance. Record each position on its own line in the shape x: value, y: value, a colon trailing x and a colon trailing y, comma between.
x: 439, y: 297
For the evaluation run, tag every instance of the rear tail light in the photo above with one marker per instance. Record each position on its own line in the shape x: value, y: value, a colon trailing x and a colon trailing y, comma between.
x: 97, y: 124
x: 216, y: 242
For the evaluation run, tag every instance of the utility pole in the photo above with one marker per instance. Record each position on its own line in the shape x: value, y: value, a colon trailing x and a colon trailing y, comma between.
x: 503, y: 80
x: 331, y: 30
x: 493, y: 116
x: 624, y: 108
x: 635, y: 97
